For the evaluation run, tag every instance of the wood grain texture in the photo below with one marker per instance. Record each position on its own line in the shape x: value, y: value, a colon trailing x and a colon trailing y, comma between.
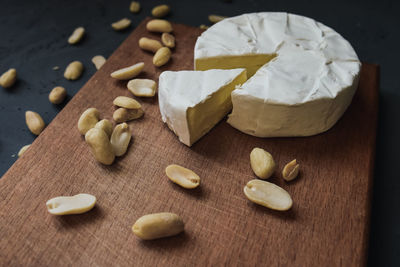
x: 327, y: 226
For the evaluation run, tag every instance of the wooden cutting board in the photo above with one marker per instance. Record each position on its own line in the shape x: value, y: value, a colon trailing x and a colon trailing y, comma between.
x: 327, y: 226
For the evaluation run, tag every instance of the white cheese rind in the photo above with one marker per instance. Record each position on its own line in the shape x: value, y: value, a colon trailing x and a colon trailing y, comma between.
x: 182, y: 91
x: 304, y: 90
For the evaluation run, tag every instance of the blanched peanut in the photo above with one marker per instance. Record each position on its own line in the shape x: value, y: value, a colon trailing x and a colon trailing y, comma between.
x: 184, y: 177
x: 162, y: 56
x: 73, y: 71
x: 77, y: 204
x: 98, y: 61
x: 120, y: 139
x: 291, y: 170
x: 76, y: 35
x: 22, y: 150
x: 158, y: 225
x: 204, y: 27
x: 121, y: 24
x: 56, y: 68
x: 128, y: 72
x: 268, y: 195
x: 215, y: 18
x: 8, y: 78
x: 142, y: 87
x: 34, y: 122
x: 159, y: 25
x: 160, y: 11
x: 168, y: 40
x: 134, y: 7
x: 123, y: 114
x: 100, y: 146
x: 149, y: 44
x: 106, y: 126
x: 57, y: 95
x: 262, y: 163
x: 88, y: 120
x: 126, y: 102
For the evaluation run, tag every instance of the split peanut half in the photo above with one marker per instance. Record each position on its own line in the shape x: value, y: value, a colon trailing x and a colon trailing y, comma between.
x: 121, y: 24
x: 168, y: 40
x: 76, y: 36
x: 162, y: 56
x: 158, y: 225
x: 77, y: 204
x: 120, y: 139
x: 73, y: 71
x: 34, y: 122
x: 57, y: 95
x: 123, y: 114
x: 159, y: 25
x: 88, y: 120
x: 23, y: 150
x: 134, y: 7
x: 128, y: 72
x: 126, y: 102
x: 149, y: 44
x: 215, y: 18
x: 100, y: 146
x: 98, y: 61
x: 8, y: 78
x: 160, y: 11
x: 182, y: 176
x: 142, y: 87
x: 268, y: 195
x: 291, y: 170
x: 262, y: 163
x: 106, y: 126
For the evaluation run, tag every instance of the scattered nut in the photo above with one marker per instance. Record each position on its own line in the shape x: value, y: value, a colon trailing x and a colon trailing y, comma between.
x: 76, y: 35
x: 204, y: 27
x: 268, y: 195
x: 128, y: 72
x: 142, y: 87
x: 160, y: 11
x: 57, y: 95
x: 262, y: 163
x: 73, y: 71
x: 168, y: 40
x: 88, y: 120
x: 291, y: 170
x: 126, y: 102
x: 98, y: 61
x: 8, y: 78
x: 184, y: 177
x: 34, y: 122
x: 120, y: 139
x: 123, y: 114
x: 149, y: 44
x: 22, y: 150
x: 121, y: 24
x: 159, y: 25
x: 100, y: 146
x: 162, y: 56
x: 215, y: 18
x: 56, y: 68
x: 158, y: 225
x: 77, y: 204
x: 106, y: 126
x: 134, y: 7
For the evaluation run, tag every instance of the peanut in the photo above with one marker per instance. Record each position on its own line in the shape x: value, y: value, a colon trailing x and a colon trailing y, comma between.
x: 142, y: 87
x: 168, y: 40
x: 100, y: 146
x: 88, y: 120
x: 121, y: 24
x: 162, y: 56
x: 204, y: 27
x: 77, y: 204
x: 76, y: 35
x: 123, y: 114
x: 184, y: 177
x: 159, y: 25
x: 106, y: 126
x: 262, y: 163
x: 158, y: 225
x: 268, y: 195
x: 22, y: 150
x: 160, y: 11
x: 126, y: 102
x: 120, y: 139
x: 128, y: 72
x: 215, y: 18
x: 8, y: 78
x: 57, y: 95
x: 149, y: 44
x: 34, y: 122
x: 291, y: 170
x: 98, y: 61
x: 134, y: 7
x: 73, y: 71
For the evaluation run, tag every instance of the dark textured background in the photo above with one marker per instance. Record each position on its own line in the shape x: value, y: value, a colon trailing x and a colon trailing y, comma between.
x: 33, y: 39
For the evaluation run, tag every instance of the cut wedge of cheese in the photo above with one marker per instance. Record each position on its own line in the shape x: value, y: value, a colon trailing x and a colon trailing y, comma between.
x: 193, y: 102
x: 304, y: 74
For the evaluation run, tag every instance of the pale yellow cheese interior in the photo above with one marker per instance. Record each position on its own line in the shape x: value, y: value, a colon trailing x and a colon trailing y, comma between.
x: 250, y: 62
x: 204, y: 116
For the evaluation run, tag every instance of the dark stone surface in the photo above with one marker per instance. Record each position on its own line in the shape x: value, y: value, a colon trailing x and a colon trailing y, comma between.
x: 33, y: 39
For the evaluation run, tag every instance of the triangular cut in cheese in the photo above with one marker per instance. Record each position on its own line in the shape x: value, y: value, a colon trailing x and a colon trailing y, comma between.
x: 193, y: 102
